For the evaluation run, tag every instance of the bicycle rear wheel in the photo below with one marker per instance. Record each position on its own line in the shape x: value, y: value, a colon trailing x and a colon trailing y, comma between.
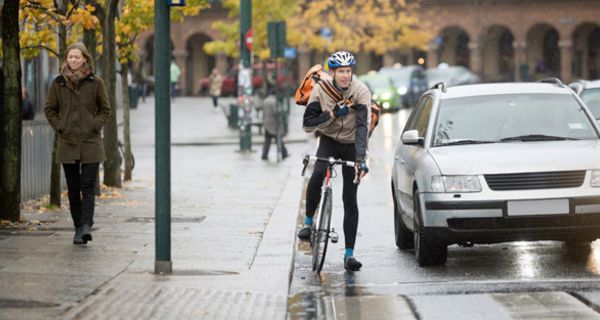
x: 321, y: 232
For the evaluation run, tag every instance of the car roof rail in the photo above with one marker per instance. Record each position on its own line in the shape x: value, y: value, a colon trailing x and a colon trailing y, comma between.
x: 440, y: 85
x: 555, y: 81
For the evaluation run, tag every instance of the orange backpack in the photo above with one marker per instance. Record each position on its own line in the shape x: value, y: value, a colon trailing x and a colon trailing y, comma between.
x: 316, y: 75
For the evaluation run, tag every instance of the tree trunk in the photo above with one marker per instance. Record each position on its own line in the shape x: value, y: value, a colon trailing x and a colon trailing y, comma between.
x: 55, y: 169
x: 10, y: 139
x: 112, y: 174
x: 126, y: 135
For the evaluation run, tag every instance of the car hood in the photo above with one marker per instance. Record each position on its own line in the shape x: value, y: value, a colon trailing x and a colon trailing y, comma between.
x: 517, y: 157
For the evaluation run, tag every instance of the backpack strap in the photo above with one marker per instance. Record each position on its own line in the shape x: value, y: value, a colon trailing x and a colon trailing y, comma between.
x: 331, y: 90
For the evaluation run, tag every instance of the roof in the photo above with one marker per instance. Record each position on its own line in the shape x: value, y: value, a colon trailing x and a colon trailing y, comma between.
x: 503, y: 88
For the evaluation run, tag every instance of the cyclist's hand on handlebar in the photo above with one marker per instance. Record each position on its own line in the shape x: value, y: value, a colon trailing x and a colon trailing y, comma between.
x: 361, y: 168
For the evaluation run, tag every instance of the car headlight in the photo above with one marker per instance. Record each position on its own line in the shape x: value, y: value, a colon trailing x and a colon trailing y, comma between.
x: 456, y: 184
x: 595, y: 180
x: 402, y: 90
x: 386, y: 95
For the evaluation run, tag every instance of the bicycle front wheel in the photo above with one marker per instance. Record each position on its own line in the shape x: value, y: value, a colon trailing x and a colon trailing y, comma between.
x: 321, y: 232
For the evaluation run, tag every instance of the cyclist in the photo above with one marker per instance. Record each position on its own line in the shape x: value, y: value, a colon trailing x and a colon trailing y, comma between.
x: 343, y: 128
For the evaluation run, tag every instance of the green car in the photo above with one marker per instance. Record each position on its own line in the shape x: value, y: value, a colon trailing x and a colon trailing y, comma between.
x: 383, y: 90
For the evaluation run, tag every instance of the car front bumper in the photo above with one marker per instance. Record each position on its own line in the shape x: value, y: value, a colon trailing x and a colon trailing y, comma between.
x: 456, y: 220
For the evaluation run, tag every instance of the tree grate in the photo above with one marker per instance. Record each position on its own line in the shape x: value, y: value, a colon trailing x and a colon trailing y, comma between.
x: 174, y: 219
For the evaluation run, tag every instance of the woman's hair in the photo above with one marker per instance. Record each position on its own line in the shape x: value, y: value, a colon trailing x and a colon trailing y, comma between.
x: 84, y: 51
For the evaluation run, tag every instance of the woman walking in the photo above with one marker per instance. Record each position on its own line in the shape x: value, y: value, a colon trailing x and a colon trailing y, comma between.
x: 77, y: 108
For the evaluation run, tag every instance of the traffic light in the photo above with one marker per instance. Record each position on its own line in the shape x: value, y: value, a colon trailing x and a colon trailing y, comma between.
x: 276, y: 38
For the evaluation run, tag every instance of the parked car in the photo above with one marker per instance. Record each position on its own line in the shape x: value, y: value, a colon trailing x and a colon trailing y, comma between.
x: 589, y: 91
x: 410, y: 82
x: 383, y: 90
x: 451, y: 75
x: 229, y: 86
x: 489, y: 163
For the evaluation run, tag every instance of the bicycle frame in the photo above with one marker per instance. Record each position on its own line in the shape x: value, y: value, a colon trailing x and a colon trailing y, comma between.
x: 321, y: 230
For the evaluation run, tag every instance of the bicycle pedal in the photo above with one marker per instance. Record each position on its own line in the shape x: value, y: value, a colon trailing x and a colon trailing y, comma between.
x: 333, y: 236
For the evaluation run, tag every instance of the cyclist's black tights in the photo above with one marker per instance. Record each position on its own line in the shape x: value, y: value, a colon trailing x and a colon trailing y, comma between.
x: 329, y: 148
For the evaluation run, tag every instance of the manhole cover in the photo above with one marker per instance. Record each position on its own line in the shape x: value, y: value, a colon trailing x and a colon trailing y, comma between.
x: 203, y: 273
x: 11, y: 303
x: 29, y: 233
x: 174, y: 220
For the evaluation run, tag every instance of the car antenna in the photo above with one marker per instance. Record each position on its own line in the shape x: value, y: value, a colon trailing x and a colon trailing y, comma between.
x: 440, y: 85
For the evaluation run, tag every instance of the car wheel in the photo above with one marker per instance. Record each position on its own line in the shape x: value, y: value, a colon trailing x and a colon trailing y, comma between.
x: 427, y: 251
x: 404, y: 237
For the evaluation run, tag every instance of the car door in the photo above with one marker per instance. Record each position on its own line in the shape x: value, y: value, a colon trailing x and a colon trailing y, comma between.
x: 407, y: 157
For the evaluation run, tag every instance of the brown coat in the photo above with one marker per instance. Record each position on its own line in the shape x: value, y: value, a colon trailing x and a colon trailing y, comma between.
x: 77, y: 115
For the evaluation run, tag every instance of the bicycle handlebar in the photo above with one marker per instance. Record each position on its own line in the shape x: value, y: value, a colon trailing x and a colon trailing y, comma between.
x: 331, y: 161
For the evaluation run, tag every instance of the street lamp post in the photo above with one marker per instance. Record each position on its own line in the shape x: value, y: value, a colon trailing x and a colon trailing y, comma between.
x: 245, y: 75
x: 162, y: 107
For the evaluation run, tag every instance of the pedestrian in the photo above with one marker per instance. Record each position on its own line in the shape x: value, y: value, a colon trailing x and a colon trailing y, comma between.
x: 28, y: 111
x: 343, y: 134
x: 142, y: 75
x: 77, y: 108
x: 216, y: 81
x: 273, y: 125
x: 175, y: 73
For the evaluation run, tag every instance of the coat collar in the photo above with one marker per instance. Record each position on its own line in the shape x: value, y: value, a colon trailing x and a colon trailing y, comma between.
x: 63, y: 82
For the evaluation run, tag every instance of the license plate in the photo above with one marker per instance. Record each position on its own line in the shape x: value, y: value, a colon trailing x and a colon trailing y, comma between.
x: 538, y: 207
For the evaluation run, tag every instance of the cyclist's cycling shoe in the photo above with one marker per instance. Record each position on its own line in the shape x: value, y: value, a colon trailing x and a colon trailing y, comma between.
x: 351, y: 264
x: 304, y: 233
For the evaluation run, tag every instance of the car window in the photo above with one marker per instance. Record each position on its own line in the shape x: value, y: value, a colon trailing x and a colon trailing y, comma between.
x: 591, y: 98
x: 419, y: 119
x: 493, y: 118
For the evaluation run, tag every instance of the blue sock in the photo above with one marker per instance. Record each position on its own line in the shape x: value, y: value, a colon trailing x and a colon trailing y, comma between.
x: 349, y: 252
x: 308, y: 220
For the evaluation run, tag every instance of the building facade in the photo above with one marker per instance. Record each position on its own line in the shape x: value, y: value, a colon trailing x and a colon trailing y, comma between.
x: 500, y: 40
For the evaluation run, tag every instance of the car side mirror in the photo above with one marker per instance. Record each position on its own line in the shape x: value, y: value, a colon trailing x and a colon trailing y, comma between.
x: 411, y: 137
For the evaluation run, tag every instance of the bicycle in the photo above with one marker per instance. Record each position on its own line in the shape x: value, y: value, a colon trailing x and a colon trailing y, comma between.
x: 321, y: 231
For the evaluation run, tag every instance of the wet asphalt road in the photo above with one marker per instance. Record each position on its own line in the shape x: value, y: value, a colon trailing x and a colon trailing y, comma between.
x: 392, y: 283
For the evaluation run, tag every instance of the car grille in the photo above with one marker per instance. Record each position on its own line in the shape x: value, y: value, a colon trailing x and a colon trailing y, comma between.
x: 535, y: 180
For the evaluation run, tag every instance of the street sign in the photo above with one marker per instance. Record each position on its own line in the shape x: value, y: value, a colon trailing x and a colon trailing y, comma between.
x: 249, y: 40
x: 289, y: 52
x: 176, y: 3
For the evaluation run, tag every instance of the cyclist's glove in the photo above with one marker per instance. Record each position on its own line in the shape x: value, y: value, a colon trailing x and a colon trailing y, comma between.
x: 361, y: 166
x: 341, y: 110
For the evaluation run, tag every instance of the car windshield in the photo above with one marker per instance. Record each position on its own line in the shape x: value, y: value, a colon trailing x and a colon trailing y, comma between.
x: 591, y: 97
x: 444, y: 74
x: 511, y: 117
x: 398, y: 75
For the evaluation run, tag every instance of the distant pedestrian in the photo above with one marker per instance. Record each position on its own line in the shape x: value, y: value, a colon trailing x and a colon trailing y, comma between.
x: 216, y: 81
x: 28, y: 111
x: 273, y: 125
x: 175, y: 74
x: 77, y: 108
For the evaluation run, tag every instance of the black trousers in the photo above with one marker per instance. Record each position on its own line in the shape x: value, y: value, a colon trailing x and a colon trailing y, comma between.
x: 81, y: 180
x: 215, y: 100
x: 267, y: 145
x: 330, y: 148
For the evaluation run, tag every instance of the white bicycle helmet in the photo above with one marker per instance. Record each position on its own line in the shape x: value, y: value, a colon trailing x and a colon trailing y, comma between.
x: 341, y: 59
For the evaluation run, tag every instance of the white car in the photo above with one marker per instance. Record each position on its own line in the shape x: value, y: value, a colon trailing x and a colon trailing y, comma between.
x: 490, y: 163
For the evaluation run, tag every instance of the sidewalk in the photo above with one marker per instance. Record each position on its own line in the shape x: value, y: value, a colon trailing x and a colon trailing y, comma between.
x: 233, y: 222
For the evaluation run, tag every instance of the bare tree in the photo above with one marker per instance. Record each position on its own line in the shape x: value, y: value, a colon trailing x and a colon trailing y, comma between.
x: 10, y: 138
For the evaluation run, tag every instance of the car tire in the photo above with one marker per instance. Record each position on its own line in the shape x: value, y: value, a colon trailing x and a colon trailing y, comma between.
x: 427, y: 251
x: 404, y: 237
